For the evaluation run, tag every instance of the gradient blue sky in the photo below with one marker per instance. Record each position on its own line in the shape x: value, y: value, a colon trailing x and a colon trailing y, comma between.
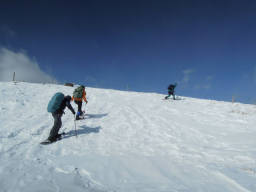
x: 208, y: 47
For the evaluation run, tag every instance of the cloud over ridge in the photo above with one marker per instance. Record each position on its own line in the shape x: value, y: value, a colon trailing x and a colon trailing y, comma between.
x: 25, y: 68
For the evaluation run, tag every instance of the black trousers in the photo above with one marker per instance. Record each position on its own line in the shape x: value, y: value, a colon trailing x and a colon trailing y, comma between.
x: 56, y: 126
x: 169, y: 94
x: 79, y: 104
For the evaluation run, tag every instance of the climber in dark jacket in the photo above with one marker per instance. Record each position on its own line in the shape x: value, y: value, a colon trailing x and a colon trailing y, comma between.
x: 171, y: 91
x: 57, y: 118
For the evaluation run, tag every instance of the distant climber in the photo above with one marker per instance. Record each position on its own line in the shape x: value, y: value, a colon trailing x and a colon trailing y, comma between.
x: 79, y: 95
x: 171, y: 91
x: 56, y: 106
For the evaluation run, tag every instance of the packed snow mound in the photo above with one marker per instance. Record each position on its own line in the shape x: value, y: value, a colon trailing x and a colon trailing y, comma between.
x: 128, y: 142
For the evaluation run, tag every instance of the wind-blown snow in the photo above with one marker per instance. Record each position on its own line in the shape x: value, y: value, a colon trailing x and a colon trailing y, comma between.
x: 128, y: 142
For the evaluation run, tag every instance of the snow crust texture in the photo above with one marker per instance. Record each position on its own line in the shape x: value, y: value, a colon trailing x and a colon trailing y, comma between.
x: 128, y: 142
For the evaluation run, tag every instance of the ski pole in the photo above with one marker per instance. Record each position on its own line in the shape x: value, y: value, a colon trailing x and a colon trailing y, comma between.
x: 75, y: 126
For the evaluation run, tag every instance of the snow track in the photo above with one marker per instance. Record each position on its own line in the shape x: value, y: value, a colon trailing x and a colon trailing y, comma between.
x: 128, y: 142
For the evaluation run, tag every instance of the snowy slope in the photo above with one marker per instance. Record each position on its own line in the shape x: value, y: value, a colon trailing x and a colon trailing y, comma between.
x: 128, y: 142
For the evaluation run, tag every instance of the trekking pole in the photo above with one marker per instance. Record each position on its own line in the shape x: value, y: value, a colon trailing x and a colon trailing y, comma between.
x: 75, y: 126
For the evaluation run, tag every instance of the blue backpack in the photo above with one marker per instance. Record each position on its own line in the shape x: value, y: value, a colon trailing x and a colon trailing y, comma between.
x: 55, y: 102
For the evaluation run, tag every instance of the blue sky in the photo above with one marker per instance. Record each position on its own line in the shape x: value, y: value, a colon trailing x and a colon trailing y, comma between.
x: 207, y: 47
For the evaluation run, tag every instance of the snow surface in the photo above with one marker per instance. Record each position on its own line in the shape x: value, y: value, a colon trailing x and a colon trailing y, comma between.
x: 128, y: 142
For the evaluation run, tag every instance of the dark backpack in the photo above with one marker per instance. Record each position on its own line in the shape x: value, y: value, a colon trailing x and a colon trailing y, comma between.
x: 171, y: 87
x: 78, y: 92
x: 55, y: 102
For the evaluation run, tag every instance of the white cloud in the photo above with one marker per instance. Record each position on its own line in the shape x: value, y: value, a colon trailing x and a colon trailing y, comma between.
x: 186, y: 75
x: 206, y: 84
x: 25, y: 69
x: 209, y: 78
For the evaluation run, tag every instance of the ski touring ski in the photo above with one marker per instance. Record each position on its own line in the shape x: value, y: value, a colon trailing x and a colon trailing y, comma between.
x: 47, y: 141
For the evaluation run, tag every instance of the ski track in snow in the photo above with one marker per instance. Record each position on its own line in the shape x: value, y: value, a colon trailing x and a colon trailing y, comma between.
x: 129, y: 141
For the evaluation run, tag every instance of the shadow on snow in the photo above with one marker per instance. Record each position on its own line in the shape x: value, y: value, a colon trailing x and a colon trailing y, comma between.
x: 89, y: 116
x: 84, y: 130
x: 177, y: 98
